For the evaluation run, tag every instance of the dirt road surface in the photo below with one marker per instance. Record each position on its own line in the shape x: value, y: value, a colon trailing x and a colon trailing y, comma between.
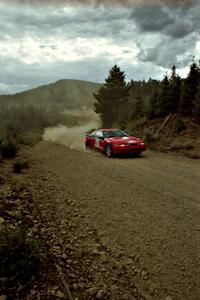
x: 147, y: 208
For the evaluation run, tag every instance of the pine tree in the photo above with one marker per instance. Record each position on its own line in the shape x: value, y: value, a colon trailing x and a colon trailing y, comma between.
x: 165, y: 97
x: 112, y: 98
x: 138, y: 111
x: 173, y: 74
x: 189, y: 90
x: 174, y: 91
x: 170, y: 93
x: 196, y: 111
x: 153, y: 106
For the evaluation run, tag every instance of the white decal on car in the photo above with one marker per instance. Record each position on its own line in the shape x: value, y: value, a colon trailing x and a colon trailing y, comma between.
x: 97, y: 143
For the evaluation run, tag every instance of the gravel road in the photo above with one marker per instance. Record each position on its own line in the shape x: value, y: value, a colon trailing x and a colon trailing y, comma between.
x: 148, y: 207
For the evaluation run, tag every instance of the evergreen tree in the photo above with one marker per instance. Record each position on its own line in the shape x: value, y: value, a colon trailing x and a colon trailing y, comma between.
x: 153, y: 106
x: 165, y: 97
x: 174, y: 91
x: 138, y: 110
x: 173, y: 74
x: 196, y: 111
x: 189, y: 90
x: 185, y: 106
x: 170, y: 93
x: 112, y: 98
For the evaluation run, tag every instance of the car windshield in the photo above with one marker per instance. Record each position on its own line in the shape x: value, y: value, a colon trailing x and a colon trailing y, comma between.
x: 114, y: 133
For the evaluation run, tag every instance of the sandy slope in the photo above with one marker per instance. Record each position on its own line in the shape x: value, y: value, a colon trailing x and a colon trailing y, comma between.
x: 147, y: 208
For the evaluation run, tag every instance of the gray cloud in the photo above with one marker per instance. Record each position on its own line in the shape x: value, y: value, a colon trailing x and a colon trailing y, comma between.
x: 40, y: 21
x: 105, y: 2
x: 175, y: 20
x: 177, y: 28
x: 152, y: 18
x: 169, y: 52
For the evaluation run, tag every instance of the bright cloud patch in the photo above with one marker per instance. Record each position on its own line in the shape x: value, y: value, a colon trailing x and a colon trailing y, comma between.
x: 35, y: 50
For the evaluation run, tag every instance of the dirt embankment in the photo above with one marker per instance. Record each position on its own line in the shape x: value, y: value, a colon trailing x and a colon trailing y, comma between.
x: 179, y: 135
x: 121, y: 228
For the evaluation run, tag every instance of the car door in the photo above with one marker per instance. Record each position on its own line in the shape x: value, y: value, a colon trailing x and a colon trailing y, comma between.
x: 91, y: 139
x: 99, y: 140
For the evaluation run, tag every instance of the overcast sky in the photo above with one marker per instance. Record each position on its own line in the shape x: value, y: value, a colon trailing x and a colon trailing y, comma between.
x: 42, y: 43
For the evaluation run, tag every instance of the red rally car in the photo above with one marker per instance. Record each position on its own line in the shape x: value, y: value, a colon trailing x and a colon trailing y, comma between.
x: 114, y: 141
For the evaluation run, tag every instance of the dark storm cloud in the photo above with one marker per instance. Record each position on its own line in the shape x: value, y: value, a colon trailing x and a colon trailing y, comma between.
x: 177, y: 28
x: 180, y: 29
x: 152, y: 18
x: 47, y: 22
x: 177, y: 19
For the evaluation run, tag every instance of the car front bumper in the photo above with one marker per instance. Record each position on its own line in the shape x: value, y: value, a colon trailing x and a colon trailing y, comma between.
x: 118, y: 149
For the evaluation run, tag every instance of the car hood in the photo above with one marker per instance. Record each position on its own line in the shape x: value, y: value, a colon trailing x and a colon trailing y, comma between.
x: 124, y: 140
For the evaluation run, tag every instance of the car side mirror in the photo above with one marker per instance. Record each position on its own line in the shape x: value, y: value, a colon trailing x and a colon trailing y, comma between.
x: 101, y: 138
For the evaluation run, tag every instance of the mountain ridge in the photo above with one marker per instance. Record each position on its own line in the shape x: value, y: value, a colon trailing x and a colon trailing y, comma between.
x: 66, y: 93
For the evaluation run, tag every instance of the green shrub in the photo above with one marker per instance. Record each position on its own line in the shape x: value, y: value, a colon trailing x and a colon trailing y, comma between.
x: 8, y: 148
x: 18, y: 166
x: 15, y: 122
x: 20, y: 254
x: 31, y: 138
x: 179, y: 126
x: 149, y: 136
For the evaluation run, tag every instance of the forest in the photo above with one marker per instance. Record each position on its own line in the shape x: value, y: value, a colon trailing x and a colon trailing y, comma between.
x: 118, y: 103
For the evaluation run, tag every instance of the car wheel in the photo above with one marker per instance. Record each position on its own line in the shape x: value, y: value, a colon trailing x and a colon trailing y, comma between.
x: 87, y: 146
x: 108, y: 150
x: 137, y: 154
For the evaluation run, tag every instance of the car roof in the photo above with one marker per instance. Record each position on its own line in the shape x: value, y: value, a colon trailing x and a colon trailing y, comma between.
x: 107, y: 129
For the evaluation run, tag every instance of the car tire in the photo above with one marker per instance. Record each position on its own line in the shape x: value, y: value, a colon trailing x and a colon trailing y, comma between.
x: 87, y: 146
x: 108, y: 150
x: 137, y: 154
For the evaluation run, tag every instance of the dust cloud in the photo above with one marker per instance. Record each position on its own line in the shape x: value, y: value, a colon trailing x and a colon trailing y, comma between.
x: 73, y: 137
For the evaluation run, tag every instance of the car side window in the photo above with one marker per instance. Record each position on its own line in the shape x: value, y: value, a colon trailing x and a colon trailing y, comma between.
x: 99, y: 134
x: 105, y: 134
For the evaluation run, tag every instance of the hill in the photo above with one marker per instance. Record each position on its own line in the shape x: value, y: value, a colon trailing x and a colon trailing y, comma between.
x: 66, y: 93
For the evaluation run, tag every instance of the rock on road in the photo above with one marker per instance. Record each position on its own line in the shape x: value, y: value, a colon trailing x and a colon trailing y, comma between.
x: 147, y: 206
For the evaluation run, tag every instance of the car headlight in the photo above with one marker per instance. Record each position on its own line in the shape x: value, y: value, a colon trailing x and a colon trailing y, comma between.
x: 119, y: 145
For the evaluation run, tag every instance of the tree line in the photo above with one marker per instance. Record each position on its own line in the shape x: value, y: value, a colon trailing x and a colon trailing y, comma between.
x: 119, y: 103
